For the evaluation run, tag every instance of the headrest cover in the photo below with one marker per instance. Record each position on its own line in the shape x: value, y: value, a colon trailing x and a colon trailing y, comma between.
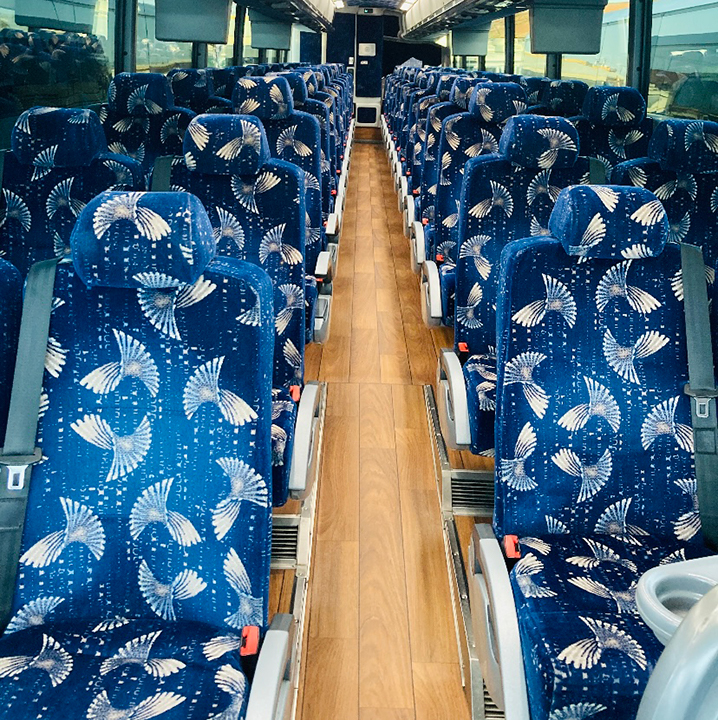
x: 445, y: 86
x: 190, y: 86
x: 686, y: 145
x: 142, y: 240
x: 140, y: 94
x: 496, y: 102
x: 225, y: 145
x: 534, y: 86
x: 222, y: 78
x: 565, y: 97
x: 460, y: 91
x: 310, y: 80
x: 57, y: 137
x: 609, y: 221
x: 537, y: 141
x: 296, y: 85
x: 614, y: 106
x: 267, y: 98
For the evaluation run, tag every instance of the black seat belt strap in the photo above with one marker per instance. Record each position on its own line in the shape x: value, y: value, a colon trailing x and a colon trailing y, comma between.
x: 19, y: 454
x: 161, y: 173
x: 701, y: 388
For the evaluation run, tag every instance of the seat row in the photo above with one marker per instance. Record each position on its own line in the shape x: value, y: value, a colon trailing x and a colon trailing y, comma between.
x: 569, y: 365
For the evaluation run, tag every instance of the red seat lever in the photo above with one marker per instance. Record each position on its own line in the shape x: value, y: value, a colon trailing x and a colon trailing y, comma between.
x: 250, y: 640
x: 511, y: 547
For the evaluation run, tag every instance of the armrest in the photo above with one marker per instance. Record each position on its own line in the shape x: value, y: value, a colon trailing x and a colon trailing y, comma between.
x: 271, y: 686
x: 430, y: 294
x: 496, y: 626
x: 408, y: 215
x: 306, y: 448
x: 452, y: 403
x: 403, y: 191
x: 418, y: 247
x: 332, y: 227
x: 324, y: 270
x: 322, y: 317
x: 682, y: 686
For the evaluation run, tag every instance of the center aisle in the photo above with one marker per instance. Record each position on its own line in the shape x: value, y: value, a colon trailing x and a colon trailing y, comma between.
x: 381, y: 641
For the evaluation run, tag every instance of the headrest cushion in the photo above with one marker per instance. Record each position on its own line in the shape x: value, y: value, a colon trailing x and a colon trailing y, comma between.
x: 534, y: 87
x: 190, y: 86
x: 686, y: 145
x: 614, y: 106
x: 140, y: 94
x: 460, y: 91
x: 267, y: 98
x: 296, y: 85
x: 445, y: 86
x: 57, y: 137
x: 225, y: 145
x: 609, y: 221
x: 537, y: 141
x: 310, y: 80
x: 565, y: 97
x: 496, y: 102
x: 141, y: 240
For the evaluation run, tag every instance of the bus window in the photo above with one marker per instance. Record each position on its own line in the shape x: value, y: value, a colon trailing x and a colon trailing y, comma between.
x: 610, y: 66
x: 684, y: 59
x: 221, y: 55
x: 525, y: 62
x: 156, y: 55
x: 496, y: 56
x: 52, y: 53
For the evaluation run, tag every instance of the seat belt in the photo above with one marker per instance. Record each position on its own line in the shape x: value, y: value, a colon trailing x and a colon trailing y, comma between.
x: 701, y: 388
x: 19, y: 453
x: 161, y: 173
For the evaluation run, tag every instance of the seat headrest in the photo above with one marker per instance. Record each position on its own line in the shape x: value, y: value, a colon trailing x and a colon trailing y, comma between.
x: 140, y: 94
x: 432, y: 83
x: 460, y: 91
x: 685, y: 145
x: 267, y: 98
x: 319, y: 75
x: 142, y: 239
x: 310, y: 80
x: 614, y: 106
x: 609, y: 221
x: 57, y: 137
x: 297, y: 85
x: 496, y: 102
x: 191, y: 85
x: 534, y: 86
x: 537, y: 141
x: 222, y: 78
x: 226, y: 145
x: 445, y: 86
x: 565, y: 97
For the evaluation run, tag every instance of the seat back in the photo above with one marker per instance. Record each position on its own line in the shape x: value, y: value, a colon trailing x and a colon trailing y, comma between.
x: 593, y: 431
x: 534, y: 87
x: 10, y: 311
x: 141, y: 120
x: 561, y: 97
x: 57, y: 163
x: 682, y: 170
x: 613, y: 127
x: 293, y: 136
x: 505, y: 196
x: 154, y: 384
x: 223, y: 80
x: 194, y: 89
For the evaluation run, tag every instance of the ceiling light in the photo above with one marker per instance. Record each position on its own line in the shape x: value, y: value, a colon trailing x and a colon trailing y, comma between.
x: 407, y: 5
x: 338, y: 4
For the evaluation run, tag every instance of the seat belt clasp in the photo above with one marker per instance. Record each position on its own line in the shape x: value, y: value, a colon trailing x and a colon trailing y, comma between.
x: 14, y: 469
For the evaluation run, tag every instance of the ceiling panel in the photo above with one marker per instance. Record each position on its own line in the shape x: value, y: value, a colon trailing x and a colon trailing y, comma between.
x: 385, y: 4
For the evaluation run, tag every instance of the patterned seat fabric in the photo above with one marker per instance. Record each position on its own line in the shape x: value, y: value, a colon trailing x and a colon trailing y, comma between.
x: 294, y: 136
x: 194, y: 89
x: 613, y: 127
x: 534, y: 87
x: 10, y: 311
x: 141, y: 120
x: 58, y: 163
x: 504, y: 197
x: 135, y: 582
x: 256, y: 207
x: 594, y: 446
x: 330, y: 146
x: 682, y: 170
x: 223, y: 80
x: 465, y: 136
x: 561, y: 97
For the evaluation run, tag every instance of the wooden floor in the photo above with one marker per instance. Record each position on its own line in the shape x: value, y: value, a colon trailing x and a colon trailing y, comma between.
x: 380, y: 643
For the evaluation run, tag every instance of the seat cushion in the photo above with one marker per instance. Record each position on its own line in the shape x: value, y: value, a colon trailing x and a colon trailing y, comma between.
x: 583, y: 639
x: 98, y: 669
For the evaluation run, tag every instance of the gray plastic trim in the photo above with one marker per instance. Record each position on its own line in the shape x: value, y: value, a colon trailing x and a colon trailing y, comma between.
x: 430, y: 294
x: 323, y: 318
x: 418, y: 247
x: 452, y: 403
x: 302, y: 473
x: 408, y: 215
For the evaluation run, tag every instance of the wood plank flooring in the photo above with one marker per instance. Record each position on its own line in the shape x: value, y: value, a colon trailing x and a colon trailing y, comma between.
x: 380, y: 637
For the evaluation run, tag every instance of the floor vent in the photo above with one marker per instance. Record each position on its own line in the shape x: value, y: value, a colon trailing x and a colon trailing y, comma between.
x: 491, y: 712
x: 472, y: 494
x: 284, y: 545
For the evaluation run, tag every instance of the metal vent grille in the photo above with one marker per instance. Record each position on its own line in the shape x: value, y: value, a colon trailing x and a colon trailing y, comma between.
x: 491, y: 712
x: 284, y: 545
x: 471, y: 493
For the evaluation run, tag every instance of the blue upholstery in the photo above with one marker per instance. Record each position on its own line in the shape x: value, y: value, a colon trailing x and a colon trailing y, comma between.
x: 269, y: 99
x: 496, y: 102
x: 561, y: 97
x: 258, y: 216
x: 223, y: 80
x: 534, y: 87
x: 194, y: 89
x: 141, y: 120
x: 682, y: 170
x: 58, y: 163
x: 134, y: 586
x: 614, y: 127
x: 594, y: 448
x: 503, y: 200
x: 10, y: 311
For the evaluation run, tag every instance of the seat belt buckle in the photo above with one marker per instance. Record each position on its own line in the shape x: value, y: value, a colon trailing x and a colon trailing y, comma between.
x: 14, y: 469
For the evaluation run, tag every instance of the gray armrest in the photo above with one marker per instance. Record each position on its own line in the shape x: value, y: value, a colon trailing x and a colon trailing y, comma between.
x: 430, y: 294
x: 332, y: 227
x: 302, y: 472
x: 271, y: 687
x: 684, y: 683
x: 322, y: 318
x: 417, y: 245
x: 495, y: 624
x: 403, y: 191
x: 452, y: 404
x: 324, y: 269
x: 408, y: 215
